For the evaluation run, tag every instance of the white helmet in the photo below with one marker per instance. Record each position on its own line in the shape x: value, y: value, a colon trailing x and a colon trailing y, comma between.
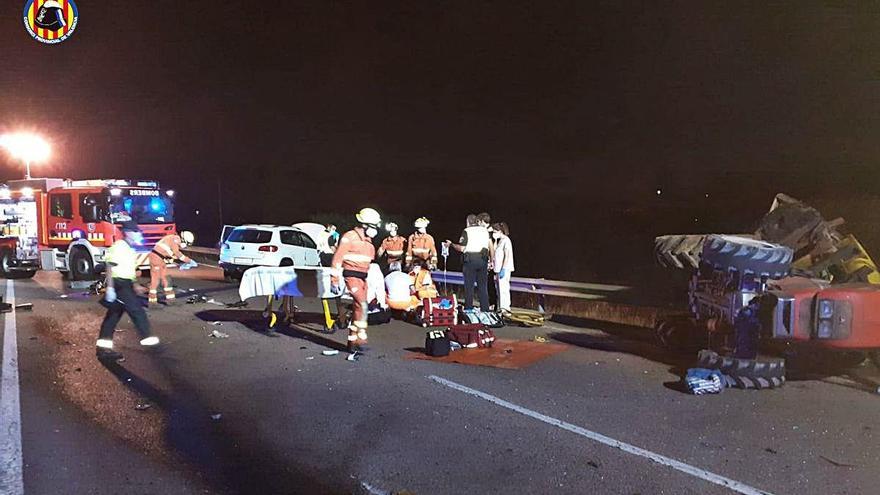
x: 421, y: 223
x: 187, y: 237
x: 390, y: 226
x: 368, y: 216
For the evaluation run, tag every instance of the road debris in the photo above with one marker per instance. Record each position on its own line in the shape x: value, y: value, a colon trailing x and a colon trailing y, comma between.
x: 835, y: 463
x: 330, y: 352
x: 196, y: 298
x: 217, y: 323
x: 217, y: 334
x: 540, y: 339
x: 237, y: 304
x: 353, y: 356
x: 63, y: 296
x: 24, y: 307
x: 310, y: 357
x: 213, y: 301
x: 142, y: 407
x: 216, y: 417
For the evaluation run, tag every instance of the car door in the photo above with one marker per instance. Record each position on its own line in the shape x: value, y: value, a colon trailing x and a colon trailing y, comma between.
x: 311, y: 257
x: 291, y: 243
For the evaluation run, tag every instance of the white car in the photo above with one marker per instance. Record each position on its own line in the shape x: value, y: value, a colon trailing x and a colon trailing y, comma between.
x: 247, y: 246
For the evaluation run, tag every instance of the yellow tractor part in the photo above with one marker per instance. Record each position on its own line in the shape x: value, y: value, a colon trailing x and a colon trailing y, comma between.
x: 848, y: 263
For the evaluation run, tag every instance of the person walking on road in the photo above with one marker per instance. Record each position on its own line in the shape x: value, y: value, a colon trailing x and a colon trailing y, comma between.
x: 120, y: 297
x: 502, y: 262
x: 393, y: 247
x: 420, y: 245
x: 476, y: 248
x: 166, y: 250
x: 351, y: 262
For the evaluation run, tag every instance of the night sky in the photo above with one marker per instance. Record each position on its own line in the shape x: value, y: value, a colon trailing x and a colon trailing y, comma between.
x: 562, y: 118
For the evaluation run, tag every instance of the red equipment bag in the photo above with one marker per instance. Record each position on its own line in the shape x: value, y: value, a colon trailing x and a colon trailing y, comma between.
x: 439, y: 311
x: 472, y: 336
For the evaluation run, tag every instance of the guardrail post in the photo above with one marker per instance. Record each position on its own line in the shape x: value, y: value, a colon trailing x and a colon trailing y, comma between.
x: 541, y: 301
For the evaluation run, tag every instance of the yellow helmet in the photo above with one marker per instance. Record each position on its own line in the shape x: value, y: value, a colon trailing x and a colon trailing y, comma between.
x: 368, y: 216
x: 421, y: 222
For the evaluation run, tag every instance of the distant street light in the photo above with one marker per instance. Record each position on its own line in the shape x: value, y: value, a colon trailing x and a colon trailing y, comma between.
x: 27, y: 148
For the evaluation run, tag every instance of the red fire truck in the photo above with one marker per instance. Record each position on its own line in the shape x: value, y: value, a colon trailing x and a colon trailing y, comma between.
x: 67, y: 225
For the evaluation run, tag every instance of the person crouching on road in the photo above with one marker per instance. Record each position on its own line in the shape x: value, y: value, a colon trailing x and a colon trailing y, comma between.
x: 420, y: 245
x: 165, y: 251
x: 503, y: 264
x: 477, y: 249
x: 351, y: 262
x: 120, y: 297
x: 393, y: 247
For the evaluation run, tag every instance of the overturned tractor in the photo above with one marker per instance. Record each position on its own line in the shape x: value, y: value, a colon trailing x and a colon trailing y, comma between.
x: 796, y: 280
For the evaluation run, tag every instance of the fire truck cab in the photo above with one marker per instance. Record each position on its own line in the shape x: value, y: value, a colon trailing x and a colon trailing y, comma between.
x: 67, y: 225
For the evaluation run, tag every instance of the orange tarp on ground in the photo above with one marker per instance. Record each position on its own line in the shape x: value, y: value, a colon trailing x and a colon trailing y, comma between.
x: 508, y: 354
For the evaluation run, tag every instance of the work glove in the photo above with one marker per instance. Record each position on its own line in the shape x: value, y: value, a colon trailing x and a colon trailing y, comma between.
x: 189, y: 265
x: 502, y: 273
x: 335, y: 289
x: 110, y: 295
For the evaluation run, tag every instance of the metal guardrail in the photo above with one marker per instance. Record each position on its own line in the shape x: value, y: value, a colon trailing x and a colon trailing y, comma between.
x: 542, y: 286
x: 539, y: 286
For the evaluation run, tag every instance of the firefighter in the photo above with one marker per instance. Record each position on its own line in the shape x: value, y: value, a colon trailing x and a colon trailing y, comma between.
x: 351, y: 262
x: 120, y: 296
x: 393, y: 247
x: 421, y: 245
x: 422, y: 285
x: 167, y: 250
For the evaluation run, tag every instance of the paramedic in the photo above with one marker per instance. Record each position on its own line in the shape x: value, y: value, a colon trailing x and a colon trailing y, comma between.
x: 393, y: 247
x: 421, y: 245
x: 351, y: 262
x: 503, y: 264
x: 167, y: 250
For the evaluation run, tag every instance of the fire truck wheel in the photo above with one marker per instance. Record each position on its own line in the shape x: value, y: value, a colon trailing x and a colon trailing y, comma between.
x: 5, y: 263
x: 765, y: 368
x: 81, y: 267
x: 725, y: 252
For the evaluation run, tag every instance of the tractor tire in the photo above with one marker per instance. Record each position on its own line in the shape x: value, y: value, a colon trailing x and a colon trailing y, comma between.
x: 679, y: 251
x: 81, y: 265
x: 766, y: 369
x: 758, y: 383
x: 5, y: 264
x: 726, y: 252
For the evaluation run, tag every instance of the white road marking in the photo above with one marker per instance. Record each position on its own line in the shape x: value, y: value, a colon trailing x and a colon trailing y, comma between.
x: 11, y: 479
x: 598, y: 437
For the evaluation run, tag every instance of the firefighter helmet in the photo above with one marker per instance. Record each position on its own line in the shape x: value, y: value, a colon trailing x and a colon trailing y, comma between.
x: 368, y: 216
x: 50, y: 16
x: 421, y: 222
x: 390, y: 226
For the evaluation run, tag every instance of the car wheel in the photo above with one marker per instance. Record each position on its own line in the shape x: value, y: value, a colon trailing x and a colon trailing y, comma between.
x: 286, y: 262
x: 81, y: 265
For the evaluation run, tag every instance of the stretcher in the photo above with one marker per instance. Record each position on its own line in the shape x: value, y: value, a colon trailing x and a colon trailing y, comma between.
x: 282, y: 284
x: 285, y: 283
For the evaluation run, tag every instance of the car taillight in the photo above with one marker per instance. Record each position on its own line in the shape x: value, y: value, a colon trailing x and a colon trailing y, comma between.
x: 268, y: 249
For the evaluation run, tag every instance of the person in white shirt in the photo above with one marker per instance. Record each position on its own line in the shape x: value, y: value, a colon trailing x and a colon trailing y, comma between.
x: 503, y: 263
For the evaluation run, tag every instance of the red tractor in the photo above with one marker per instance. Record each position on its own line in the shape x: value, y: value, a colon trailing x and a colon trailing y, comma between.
x: 64, y: 225
x: 797, y: 281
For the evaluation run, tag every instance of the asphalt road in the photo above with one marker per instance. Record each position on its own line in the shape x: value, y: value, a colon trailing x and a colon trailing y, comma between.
x: 261, y: 414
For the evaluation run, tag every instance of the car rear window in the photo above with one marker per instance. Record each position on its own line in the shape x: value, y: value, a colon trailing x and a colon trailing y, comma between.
x: 250, y: 236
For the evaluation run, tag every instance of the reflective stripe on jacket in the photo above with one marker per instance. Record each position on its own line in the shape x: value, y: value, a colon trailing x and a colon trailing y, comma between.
x: 355, y: 253
x: 421, y: 246
x: 393, y: 247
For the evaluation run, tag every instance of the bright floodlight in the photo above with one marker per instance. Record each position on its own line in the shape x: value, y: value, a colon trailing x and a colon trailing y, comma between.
x: 27, y: 148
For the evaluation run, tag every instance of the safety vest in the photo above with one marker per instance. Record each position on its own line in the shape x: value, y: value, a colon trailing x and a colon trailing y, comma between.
x: 476, y: 240
x: 123, y: 260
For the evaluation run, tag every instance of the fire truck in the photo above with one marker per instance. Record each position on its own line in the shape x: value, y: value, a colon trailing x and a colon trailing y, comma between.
x: 67, y: 225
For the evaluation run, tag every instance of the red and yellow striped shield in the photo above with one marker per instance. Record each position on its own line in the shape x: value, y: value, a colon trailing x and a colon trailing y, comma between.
x: 61, y: 15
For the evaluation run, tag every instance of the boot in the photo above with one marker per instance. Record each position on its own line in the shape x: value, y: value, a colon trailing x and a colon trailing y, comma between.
x: 170, y: 296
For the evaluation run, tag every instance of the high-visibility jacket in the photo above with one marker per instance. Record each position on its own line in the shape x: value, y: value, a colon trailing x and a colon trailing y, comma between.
x: 169, y: 247
x: 354, y: 254
x: 123, y: 260
x: 421, y: 246
x: 393, y: 247
x: 423, y: 285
